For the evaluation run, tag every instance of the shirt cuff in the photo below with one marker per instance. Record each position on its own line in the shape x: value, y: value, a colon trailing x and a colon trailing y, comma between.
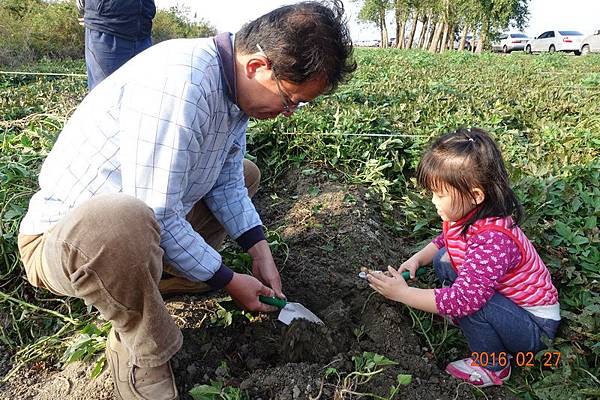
x: 249, y: 238
x: 221, y: 278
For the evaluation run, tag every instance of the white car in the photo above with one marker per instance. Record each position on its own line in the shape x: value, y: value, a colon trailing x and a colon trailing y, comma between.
x: 508, y: 42
x: 552, y: 41
x: 591, y: 44
x: 368, y: 43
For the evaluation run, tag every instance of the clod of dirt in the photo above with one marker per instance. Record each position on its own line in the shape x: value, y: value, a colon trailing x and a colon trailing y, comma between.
x: 305, y: 341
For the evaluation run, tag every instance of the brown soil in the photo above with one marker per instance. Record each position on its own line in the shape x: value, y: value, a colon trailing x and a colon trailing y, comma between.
x: 331, y: 230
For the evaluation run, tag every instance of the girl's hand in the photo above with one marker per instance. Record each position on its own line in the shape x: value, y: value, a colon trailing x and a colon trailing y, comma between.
x: 392, y: 286
x: 411, y: 265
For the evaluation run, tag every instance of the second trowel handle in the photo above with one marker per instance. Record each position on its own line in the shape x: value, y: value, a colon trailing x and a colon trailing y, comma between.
x: 419, y: 272
x: 273, y: 301
x: 405, y: 274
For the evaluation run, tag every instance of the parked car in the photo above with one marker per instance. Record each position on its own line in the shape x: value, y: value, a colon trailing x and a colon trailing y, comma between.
x: 508, y: 42
x: 368, y: 43
x: 552, y: 41
x: 591, y: 43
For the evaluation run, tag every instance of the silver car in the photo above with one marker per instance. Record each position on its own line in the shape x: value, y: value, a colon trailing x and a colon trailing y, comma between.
x: 508, y: 42
x: 591, y: 44
x: 552, y: 41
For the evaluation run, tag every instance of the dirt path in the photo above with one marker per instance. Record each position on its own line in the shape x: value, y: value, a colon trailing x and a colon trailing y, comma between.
x: 331, y: 231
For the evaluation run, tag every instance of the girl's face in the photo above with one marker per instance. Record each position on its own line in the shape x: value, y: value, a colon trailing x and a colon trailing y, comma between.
x: 451, y: 206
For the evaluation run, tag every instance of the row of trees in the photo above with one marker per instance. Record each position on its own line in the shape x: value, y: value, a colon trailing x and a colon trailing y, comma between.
x: 439, y: 21
x: 35, y: 29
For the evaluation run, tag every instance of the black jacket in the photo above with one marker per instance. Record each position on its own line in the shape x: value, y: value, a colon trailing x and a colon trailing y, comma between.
x: 129, y: 19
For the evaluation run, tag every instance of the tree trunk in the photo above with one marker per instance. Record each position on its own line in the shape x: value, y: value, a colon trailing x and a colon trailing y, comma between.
x: 384, y: 31
x: 483, y: 36
x: 424, y: 28
x: 400, y: 39
x: 399, y: 32
x: 463, y: 37
x: 436, y: 36
x: 413, y: 30
x: 445, y: 27
x: 429, y: 37
x: 451, y: 37
x: 400, y: 23
x: 444, y: 45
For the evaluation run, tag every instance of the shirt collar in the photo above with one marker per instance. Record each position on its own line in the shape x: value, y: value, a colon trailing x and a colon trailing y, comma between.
x: 461, y: 222
x: 223, y: 42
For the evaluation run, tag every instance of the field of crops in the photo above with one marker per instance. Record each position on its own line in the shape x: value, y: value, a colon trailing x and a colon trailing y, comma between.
x: 543, y: 110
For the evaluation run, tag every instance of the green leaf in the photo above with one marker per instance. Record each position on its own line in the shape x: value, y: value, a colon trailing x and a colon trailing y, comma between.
x: 205, y: 392
x: 404, y: 379
x: 553, y: 386
x: 314, y: 191
x: 349, y: 198
x: 562, y: 229
x: 328, y: 247
x: 98, y: 367
x: 14, y: 212
x: 591, y: 222
x: 420, y: 225
x: 580, y: 240
x: 592, y: 392
x: 380, y: 360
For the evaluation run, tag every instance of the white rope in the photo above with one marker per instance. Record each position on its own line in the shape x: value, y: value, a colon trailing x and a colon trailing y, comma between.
x: 387, y: 135
x: 42, y: 73
x: 458, y: 84
x: 362, y: 84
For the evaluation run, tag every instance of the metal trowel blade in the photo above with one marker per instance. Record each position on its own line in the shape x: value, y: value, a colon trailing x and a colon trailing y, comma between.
x: 293, y: 311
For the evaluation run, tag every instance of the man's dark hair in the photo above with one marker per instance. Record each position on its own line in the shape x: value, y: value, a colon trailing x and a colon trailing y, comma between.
x: 303, y: 41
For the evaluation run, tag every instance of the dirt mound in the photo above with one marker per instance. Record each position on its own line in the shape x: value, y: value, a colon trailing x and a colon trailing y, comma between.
x: 331, y: 230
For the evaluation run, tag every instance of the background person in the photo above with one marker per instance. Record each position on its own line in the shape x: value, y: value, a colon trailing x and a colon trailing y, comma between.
x: 115, y: 31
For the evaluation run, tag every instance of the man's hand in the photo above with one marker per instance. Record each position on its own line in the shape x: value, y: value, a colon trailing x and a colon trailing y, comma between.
x: 392, y: 286
x: 263, y: 267
x: 245, y: 289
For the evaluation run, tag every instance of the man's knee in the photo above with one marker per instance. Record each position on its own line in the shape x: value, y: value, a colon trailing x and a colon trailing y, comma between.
x: 118, y: 222
x: 120, y: 213
x: 251, y: 177
x: 109, y: 234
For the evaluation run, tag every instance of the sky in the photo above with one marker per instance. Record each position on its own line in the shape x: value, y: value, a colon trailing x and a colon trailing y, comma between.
x: 230, y: 15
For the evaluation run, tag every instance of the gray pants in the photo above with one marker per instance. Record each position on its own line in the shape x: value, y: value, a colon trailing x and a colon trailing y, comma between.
x: 107, y: 252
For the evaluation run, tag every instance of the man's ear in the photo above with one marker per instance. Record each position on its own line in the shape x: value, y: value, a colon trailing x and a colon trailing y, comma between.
x: 254, y: 63
x: 478, y: 195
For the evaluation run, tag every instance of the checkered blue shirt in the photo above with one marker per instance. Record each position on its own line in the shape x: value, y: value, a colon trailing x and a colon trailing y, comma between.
x: 161, y: 129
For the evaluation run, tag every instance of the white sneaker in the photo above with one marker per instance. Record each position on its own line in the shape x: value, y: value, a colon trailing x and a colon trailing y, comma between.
x: 476, y: 375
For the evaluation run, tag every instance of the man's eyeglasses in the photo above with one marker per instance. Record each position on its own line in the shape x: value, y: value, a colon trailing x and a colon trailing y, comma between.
x: 288, y: 105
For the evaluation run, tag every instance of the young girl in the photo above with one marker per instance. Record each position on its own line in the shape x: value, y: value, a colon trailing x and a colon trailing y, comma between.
x: 495, y: 286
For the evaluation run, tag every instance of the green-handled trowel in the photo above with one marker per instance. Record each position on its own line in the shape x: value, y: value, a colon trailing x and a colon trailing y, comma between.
x: 290, y: 311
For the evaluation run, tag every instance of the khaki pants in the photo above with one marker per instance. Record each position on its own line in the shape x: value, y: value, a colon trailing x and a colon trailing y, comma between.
x: 107, y: 252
